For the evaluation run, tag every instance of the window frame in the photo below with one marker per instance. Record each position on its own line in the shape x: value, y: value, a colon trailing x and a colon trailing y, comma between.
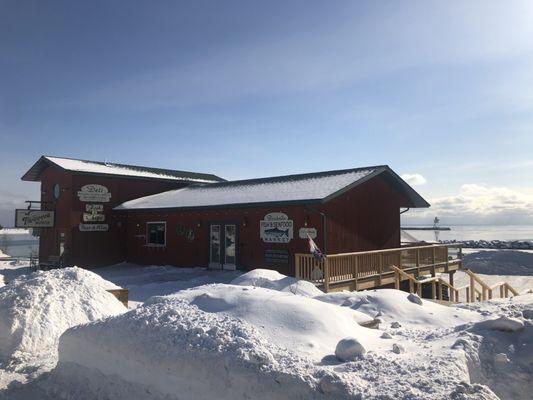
x: 148, y: 234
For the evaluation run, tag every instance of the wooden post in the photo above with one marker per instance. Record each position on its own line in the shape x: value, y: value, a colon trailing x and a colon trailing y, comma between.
x: 506, y: 291
x: 501, y: 292
x: 417, y: 263
x: 380, y: 267
x: 490, y: 293
x: 326, y: 275
x: 356, y: 271
x: 396, y: 280
x: 433, y: 290
x: 468, y: 299
x: 450, y: 274
x: 439, y: 288
x: 297, y: 266
x: 472, y: 290
x: 411, y: 286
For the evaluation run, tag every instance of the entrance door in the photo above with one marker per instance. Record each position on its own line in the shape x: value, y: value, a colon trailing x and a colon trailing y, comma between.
x: 223, y: 246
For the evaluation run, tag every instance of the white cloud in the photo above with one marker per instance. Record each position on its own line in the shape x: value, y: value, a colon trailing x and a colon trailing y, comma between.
x: 479, y: 204
x: 414, y: 179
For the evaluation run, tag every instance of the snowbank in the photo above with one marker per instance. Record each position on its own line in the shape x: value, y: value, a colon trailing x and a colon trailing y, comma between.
x: 171, y: 349
x: 499, y: 351
x: 36, y: 309
x: 394, y: 305
x: 307, y: 326
x: 270, y: 279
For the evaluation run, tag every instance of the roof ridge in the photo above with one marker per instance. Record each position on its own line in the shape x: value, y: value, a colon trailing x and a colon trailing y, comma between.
x: 132, y: 166
x: 305, y: 175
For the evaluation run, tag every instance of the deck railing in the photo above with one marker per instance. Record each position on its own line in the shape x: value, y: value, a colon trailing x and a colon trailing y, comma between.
x: 353, y: 266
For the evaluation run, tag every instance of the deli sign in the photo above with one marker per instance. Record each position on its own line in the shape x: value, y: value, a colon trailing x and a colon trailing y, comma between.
x: 94, y: 193
x: 276, y: 228
x: 34, y: 218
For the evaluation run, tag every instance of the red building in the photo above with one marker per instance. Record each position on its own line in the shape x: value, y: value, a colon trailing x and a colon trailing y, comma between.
x: 107, y: 213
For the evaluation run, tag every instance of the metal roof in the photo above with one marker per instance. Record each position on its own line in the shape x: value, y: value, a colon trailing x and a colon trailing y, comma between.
x: 289, y: 189
x: 112, y: 169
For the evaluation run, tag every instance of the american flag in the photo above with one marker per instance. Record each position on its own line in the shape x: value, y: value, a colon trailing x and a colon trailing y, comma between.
x: 315, y: 251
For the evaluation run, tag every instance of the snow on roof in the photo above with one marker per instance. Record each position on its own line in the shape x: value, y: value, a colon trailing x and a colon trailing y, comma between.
x: 291, y: 188
x: 105, y: 168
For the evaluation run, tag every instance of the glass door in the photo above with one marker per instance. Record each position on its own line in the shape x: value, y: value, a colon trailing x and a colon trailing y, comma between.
x: 214, y: 247
x: 230, y: 238
x: 223, y: 246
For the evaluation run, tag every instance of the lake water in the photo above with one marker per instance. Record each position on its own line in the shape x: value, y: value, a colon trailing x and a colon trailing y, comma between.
x: 18, y: 243
x: 478, y: 232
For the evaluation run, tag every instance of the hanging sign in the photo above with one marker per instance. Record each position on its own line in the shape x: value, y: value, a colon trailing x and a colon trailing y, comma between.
x: 276, y: 228
x: 94, y: 227
x: 94, y: 207
x: 34, y: 218
x: 94, y: 192
x: 306, y: 233
x: 94, y: 213
x: 93, y: 217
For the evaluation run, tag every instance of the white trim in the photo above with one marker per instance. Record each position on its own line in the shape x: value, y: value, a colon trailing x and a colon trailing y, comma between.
x: 148, y: 234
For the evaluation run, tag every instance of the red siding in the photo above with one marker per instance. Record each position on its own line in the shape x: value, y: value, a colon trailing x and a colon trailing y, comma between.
x: 90, y: 248
x: 364, y: 218
x: 250, y: 247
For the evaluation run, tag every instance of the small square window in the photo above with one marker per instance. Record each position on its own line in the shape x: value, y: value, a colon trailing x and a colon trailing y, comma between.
x: 156, y: 233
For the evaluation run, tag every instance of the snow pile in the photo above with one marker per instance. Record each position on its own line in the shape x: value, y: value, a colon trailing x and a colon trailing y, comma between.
x: 3, y: 255
x: 503, y: 323
x: 270, y: 279
x: 171, y: 349
x: 36, y: 309
x: 307, y: 326
x: 500, y: 262
x: 394, y: 305
x: 499, y: 351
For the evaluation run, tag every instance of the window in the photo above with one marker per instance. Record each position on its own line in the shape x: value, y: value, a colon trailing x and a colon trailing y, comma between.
x: 156, y: 233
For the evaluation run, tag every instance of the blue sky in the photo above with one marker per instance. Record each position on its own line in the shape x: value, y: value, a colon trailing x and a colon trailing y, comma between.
x: 253, y: 88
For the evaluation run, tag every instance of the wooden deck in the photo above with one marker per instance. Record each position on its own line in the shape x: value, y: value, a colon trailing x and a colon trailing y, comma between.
x: 370, y: 269
x: 418, y: 265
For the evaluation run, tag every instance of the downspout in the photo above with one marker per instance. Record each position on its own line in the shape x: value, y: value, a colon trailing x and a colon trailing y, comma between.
x: 324, y: 230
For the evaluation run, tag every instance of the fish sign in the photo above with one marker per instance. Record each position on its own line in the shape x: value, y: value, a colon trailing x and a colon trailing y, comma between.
x: 276, y: 228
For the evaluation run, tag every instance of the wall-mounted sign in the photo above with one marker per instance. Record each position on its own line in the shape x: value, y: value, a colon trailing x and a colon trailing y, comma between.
x: 94, y: 213
x: 94, y: 227
x: 304, y: 232
x: 34, y: 218
x: 276, y: 228
x: 94, y: 192
x: 275, y: 256
x: 94, y: 207
x: 93, y: 217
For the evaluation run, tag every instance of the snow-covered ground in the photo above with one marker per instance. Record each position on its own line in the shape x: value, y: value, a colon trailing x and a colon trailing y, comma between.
x: 219, y: 335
